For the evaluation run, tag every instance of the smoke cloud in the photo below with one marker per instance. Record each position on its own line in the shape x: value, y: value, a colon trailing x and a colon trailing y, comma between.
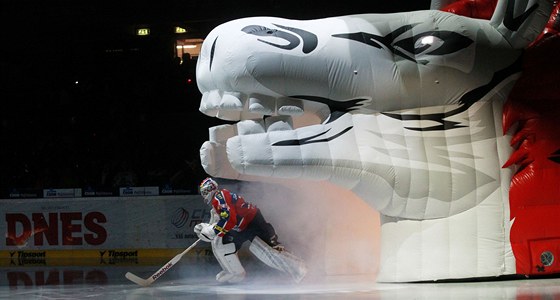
x: 332, y: 229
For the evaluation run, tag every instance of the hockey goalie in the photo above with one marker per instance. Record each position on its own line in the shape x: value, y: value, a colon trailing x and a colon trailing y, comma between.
x: 234, y: 222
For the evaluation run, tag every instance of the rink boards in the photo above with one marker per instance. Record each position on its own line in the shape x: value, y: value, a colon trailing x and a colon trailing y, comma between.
x: 100, y: 257
x: 142, y: 230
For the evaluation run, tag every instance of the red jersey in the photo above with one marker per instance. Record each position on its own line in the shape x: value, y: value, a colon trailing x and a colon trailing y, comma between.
x: 235, y: 213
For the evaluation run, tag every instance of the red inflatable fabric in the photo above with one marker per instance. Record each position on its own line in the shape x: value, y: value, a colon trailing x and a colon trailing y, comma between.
x: 532, y: 111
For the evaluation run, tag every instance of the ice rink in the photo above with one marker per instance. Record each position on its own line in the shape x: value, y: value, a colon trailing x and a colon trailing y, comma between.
x: 195, y: 280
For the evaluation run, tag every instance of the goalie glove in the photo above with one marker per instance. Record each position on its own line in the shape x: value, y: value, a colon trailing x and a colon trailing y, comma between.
x: 205, y: 231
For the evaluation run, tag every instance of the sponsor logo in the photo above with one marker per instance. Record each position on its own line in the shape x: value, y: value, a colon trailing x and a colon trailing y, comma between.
x: 182, y: 218
x: 15, y: 193
x: 166, y: 190
x: 127, y: 191
x: 89, y: 192
x: 62, y: 193
x: 219, y: 196
x: 116, y: 257
x: 55, y: 229
x: 139, y: 191
x: 28, y: 258
x: 162, y: 270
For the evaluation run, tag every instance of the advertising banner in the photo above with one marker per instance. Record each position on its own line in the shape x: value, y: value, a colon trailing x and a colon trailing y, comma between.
x: 62, y: 193
x: 139, y: 191
x: 139, y: 222
x: 25, y: 193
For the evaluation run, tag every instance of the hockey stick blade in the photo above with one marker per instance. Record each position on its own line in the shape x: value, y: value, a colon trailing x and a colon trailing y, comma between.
x: 161, y: 271
x: 138, y: 280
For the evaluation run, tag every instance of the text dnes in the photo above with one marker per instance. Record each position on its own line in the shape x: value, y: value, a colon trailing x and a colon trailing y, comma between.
x: 64, y: 228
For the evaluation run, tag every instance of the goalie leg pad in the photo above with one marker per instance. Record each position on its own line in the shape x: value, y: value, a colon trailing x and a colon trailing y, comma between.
x: 226, y: 254
x: 280, y: 260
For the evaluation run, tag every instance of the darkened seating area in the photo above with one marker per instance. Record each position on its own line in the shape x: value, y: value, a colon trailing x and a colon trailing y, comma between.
x: 112, y: 116
x: 87, y: 104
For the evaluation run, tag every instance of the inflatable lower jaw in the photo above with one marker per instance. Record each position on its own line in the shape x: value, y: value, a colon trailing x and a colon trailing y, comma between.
x: 214, y: 161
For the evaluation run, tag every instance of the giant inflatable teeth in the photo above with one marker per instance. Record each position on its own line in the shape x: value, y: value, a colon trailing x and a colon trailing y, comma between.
x: 403, y: 109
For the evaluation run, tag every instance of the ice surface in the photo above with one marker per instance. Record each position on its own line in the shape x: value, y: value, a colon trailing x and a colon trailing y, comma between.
x: 188, y: 280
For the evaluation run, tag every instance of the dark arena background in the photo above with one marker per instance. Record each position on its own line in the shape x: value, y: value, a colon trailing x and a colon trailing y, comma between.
x: 99, y: 160
x: 103, y: 95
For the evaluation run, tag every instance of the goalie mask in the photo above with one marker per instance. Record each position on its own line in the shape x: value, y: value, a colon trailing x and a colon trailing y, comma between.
x: 207, y: 189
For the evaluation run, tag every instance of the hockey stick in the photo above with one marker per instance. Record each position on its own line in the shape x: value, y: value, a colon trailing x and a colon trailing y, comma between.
x: 161, y: 271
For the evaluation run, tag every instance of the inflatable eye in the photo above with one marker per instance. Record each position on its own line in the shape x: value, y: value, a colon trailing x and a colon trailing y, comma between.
x: 440, y: 43
x: 432, y: 43
x: 426, y: 43
x: 259, y: 30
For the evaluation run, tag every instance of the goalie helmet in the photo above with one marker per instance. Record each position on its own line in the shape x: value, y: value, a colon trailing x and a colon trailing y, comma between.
x: 207, y: 189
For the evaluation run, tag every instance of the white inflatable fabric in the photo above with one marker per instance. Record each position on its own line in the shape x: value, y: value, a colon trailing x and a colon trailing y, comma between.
x: 403, y: 109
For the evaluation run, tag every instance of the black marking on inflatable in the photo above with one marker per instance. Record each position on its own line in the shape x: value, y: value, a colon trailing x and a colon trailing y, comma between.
x: 212, y: 54
x: 465, y: 102
x: 293, y: 41
x: 513, y: 23
x: 473, y: 96
x: 333, y: 105
x: 310, y: 40
x: 334, y: 116
x: 310, y: 140
x: 555, y: 156
x: 376, y: 41
x: 439, y: 118
x: 452, y: 42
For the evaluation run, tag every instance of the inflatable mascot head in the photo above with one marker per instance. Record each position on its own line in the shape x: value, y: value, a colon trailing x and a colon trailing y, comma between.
x: 403, y: 109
